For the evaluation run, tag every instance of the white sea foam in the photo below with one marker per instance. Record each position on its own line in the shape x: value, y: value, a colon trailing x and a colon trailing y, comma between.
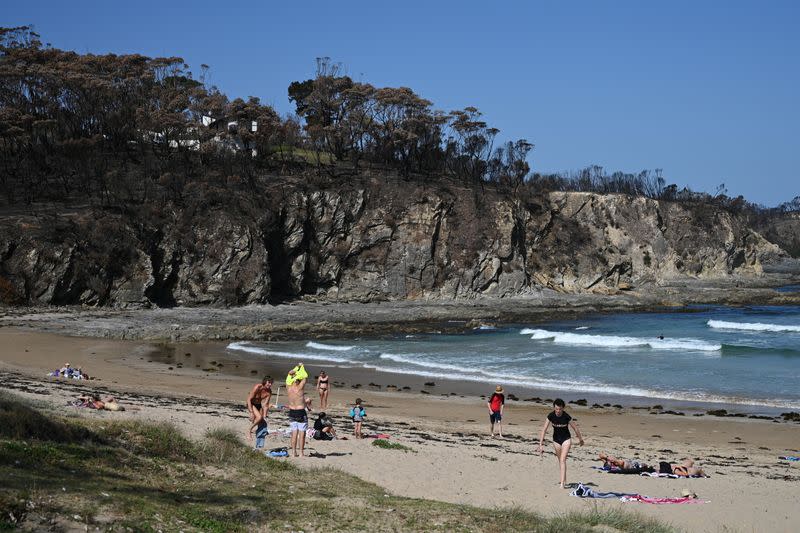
x: 331, y: 347
x: 249, y: 348
x: 417, y: 361
x: 536, y: 382
x: 582, y: 327
x: 614, y: 341
x: 753, y: 326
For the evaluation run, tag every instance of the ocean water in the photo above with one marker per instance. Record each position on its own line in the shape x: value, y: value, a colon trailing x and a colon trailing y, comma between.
x: 744, y: 356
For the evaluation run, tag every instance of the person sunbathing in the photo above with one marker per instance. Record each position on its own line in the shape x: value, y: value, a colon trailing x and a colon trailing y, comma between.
x: 686, y: 468
x: 94, y: 402
x: 627, y: 465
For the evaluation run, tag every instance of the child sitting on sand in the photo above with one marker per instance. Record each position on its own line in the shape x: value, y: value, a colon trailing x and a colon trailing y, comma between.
x: 357, y: 413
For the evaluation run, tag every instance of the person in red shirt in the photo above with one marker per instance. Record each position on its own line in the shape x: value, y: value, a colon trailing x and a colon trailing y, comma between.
x: 495, y: 404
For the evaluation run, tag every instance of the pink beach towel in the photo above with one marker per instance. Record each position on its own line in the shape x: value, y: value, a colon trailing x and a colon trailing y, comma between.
x: 659, y: 501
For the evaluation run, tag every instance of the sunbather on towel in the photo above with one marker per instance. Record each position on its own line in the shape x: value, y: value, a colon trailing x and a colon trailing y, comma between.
x: 686, y: 468
x: 94, y: 402
x: 631, y: 466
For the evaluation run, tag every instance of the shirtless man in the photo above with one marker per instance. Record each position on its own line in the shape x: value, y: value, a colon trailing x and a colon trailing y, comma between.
x: 258, y: 402
x: 298, y: 417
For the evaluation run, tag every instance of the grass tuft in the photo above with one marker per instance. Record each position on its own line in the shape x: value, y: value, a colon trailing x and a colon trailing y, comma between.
x: 606, y: 520
x: 386, y: 445
x: 19, y: 420
x: 162, y: 439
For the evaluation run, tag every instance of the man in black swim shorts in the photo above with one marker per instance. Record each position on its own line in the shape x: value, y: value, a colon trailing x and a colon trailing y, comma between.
x: 298, y: 417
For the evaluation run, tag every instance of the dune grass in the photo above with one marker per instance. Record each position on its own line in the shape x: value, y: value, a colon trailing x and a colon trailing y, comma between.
x: 73, y: 472
x: 386, y: 445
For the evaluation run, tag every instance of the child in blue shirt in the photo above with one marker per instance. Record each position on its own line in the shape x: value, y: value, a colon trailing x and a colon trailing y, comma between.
x: 357, y: 413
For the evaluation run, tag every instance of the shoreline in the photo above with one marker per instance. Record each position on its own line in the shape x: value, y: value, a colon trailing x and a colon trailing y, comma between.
x: 211, y: 361
x: 192, y: 328
x: 216, y: 357
x: 448, y: 433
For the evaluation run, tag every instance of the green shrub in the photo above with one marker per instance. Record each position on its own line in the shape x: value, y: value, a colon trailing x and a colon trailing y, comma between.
x: 13, y: 509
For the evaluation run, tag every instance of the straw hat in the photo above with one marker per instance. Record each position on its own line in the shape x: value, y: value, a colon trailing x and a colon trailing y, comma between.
x: 498, y: 389
x: 686, y: 493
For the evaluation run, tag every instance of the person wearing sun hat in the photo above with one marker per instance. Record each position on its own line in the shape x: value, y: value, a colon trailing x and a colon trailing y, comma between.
x: 495, y: 404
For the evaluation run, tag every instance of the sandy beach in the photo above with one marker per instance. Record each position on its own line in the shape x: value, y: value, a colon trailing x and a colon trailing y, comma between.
x: 453, y: 458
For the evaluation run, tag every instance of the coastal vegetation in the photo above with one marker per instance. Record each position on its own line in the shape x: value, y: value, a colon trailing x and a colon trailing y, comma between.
x: 125, y: 130
x: 127, y: 180
x: 70, y: 472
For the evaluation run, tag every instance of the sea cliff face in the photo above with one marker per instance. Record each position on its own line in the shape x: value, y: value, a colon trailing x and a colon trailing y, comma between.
x: 370, y: 245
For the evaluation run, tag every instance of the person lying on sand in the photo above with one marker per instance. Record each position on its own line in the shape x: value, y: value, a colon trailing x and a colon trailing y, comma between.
x: 626, y: 465
x: 94, y: 402
x: 685, y: 468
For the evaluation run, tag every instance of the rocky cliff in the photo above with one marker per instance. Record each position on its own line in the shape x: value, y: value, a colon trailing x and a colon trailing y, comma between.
x: 372, y: 244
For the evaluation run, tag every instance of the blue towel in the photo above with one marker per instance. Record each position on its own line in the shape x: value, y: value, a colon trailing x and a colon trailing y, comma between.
x: 789, y: 458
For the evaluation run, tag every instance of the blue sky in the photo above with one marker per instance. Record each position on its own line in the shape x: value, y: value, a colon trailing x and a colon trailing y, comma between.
x: 706, y: 91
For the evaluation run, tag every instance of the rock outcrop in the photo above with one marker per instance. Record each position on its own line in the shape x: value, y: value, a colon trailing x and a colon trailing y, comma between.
x: 373, y: 244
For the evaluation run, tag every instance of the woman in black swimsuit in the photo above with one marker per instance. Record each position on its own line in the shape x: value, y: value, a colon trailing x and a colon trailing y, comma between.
x: 561, y: 423
x: 322, y: 389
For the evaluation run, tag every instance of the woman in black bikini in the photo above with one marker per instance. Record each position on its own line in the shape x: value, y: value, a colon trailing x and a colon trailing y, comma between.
x: 561, y: 423
x: 322, y: 389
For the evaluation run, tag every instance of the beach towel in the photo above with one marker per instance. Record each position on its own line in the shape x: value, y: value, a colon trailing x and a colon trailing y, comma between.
x: 299, y: 373
x: 659, y: 501
x: 613, y: 470
x: 377, y: 436
x: 789, y: 458
x: 81, y: 403
x: 670, y: 476
x: 582, y: 491
x: 278, y: 452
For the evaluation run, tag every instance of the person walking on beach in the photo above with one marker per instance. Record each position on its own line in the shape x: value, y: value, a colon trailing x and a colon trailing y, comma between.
x: 258, y: 403
x: 323, y: 389
x: 495, y: 404
x: 298, y: 417
x: 357, y: 413
x: 562, y: 441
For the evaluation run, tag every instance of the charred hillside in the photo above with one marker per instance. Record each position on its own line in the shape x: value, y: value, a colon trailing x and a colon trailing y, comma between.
x: 368, y: 243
